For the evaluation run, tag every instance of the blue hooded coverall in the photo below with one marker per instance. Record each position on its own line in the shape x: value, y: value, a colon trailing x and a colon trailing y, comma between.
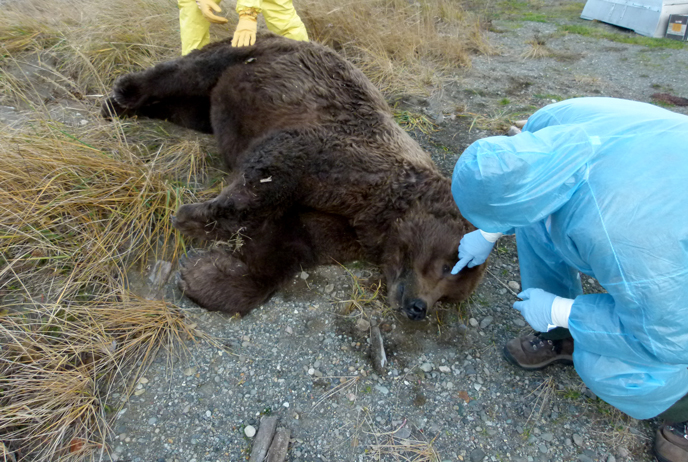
x: 600, y: 186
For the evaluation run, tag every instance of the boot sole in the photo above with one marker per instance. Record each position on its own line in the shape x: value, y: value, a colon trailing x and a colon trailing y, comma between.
x: 564, y: 359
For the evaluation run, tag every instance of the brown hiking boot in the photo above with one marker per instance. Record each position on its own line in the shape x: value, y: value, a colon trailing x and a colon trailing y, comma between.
x: 532, y: 352
x: 671, y: 443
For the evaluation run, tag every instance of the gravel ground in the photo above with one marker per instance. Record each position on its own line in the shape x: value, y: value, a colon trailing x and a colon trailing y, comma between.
x: 447, y: 392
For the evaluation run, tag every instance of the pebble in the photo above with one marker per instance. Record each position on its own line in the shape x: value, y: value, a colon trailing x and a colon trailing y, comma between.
x: 584, y: 458
x: 304, y: 275
x: 611, y: 458
x: 445, y: 369
x: 152, y: 421
x: 139, y: 392
x: 578, y: 439
x: 519, y: 322
x: 403, y: 432
x: 426, y: 367
x: 381, y: 389
x: 486, y: 322
x: 362, y: 324
x: 329, y: 288
x: 515, y: 286
x: 250, y: 431
x: 542, y: 448
x: 190, y: 371
x: 473, y: 322
x: 549, y: 437
x: 477, y: 455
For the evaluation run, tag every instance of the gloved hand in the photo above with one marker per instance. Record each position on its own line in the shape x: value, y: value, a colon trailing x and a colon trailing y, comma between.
x: 245, y: 33
x: 536, y: 308
x: 473, y: 251
x: 206, y: 6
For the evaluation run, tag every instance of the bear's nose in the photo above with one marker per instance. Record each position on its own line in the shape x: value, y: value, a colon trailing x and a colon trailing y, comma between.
x: 416, y: 309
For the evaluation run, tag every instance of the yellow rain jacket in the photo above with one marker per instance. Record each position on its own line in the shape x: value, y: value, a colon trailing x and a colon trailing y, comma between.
x: 280, y: 17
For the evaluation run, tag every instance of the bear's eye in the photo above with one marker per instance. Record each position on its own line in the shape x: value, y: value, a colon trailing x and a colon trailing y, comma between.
x: 446, y: 269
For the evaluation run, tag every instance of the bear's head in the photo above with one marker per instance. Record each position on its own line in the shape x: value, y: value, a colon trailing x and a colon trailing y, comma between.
x: 419, y: 255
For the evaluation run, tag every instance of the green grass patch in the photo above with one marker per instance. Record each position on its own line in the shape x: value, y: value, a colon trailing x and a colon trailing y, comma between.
x: 633, y: 39
x: 535, y: 11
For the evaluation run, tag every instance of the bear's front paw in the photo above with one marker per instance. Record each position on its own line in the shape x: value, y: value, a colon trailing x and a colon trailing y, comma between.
x: 128, y: 92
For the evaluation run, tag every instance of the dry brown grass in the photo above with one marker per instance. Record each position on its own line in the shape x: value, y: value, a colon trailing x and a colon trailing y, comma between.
x: 61, y: 362
x: 400, y: 45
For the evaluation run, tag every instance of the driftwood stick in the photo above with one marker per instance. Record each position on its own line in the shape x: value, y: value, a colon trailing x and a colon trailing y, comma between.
x: 263, y: 439
x: 280, y: 446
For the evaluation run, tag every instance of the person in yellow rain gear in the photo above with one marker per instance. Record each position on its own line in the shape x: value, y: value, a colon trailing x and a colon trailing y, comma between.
x: 195, y: 17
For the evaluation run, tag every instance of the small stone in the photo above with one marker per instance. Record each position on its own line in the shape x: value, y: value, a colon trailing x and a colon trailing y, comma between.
x: 285, y: 404
x: 143, y: 381
x: 190, y: 371
x: 584, y: 458
x: 519, y: 322
x: 351, y: 397
x: 513, y: 130
x: 515, y: 286
x: 250, y: 431
x: 426, y: 367
x: 329, y: 288
x: 311, y: 371
x: 542, y: 448
x: 83, y: 122
x: 362, y: 324
x: 477, y: 386
x: 624, y: 452
x: 152, y: 421
x: 381, y: 389
x: 139, y: 392
x: 477, y: 455
x: 486, y: 322
x: 611, y: 458
x: 289, y: 330
x: 445, y: 369
x: 304, y: 275
x: 577, y: 439
x: 549, y: 437
x: 208, y: 414
x: 404, y: 432
x: 473, y: 322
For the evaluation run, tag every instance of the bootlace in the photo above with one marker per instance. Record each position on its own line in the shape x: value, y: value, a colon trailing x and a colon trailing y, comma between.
x: 538, y: 343
x: 680, y: 429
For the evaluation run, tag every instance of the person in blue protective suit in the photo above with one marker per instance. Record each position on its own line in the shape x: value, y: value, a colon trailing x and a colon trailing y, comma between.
x: 598, y: 186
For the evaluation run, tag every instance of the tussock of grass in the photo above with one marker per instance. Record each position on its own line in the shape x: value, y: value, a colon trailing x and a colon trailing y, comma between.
x: 59, y: 366
x: 76, y: 212
x: 91, y: 43
x: 398, y: 44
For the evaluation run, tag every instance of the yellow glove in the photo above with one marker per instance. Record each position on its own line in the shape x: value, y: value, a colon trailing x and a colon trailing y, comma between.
x: 206, y: 6
x: 245, y: 33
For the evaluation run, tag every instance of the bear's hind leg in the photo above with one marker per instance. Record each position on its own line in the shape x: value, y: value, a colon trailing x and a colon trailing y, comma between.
x: 219, y: 281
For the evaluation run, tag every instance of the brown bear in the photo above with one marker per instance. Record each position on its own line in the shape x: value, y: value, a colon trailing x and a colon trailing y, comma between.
x: 320, y: 173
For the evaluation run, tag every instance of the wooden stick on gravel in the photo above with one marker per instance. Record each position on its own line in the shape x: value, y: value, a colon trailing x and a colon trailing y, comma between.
x: 280, y: 445
x: 263, y: 439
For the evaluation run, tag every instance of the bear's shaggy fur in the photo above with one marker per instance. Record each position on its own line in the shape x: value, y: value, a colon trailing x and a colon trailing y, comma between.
x: 320, y: 173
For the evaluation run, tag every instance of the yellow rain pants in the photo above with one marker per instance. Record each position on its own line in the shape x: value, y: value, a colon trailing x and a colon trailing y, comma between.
x: 280, y: 17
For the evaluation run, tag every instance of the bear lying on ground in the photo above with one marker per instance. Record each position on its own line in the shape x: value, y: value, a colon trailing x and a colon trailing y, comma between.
x: 320, y: 173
